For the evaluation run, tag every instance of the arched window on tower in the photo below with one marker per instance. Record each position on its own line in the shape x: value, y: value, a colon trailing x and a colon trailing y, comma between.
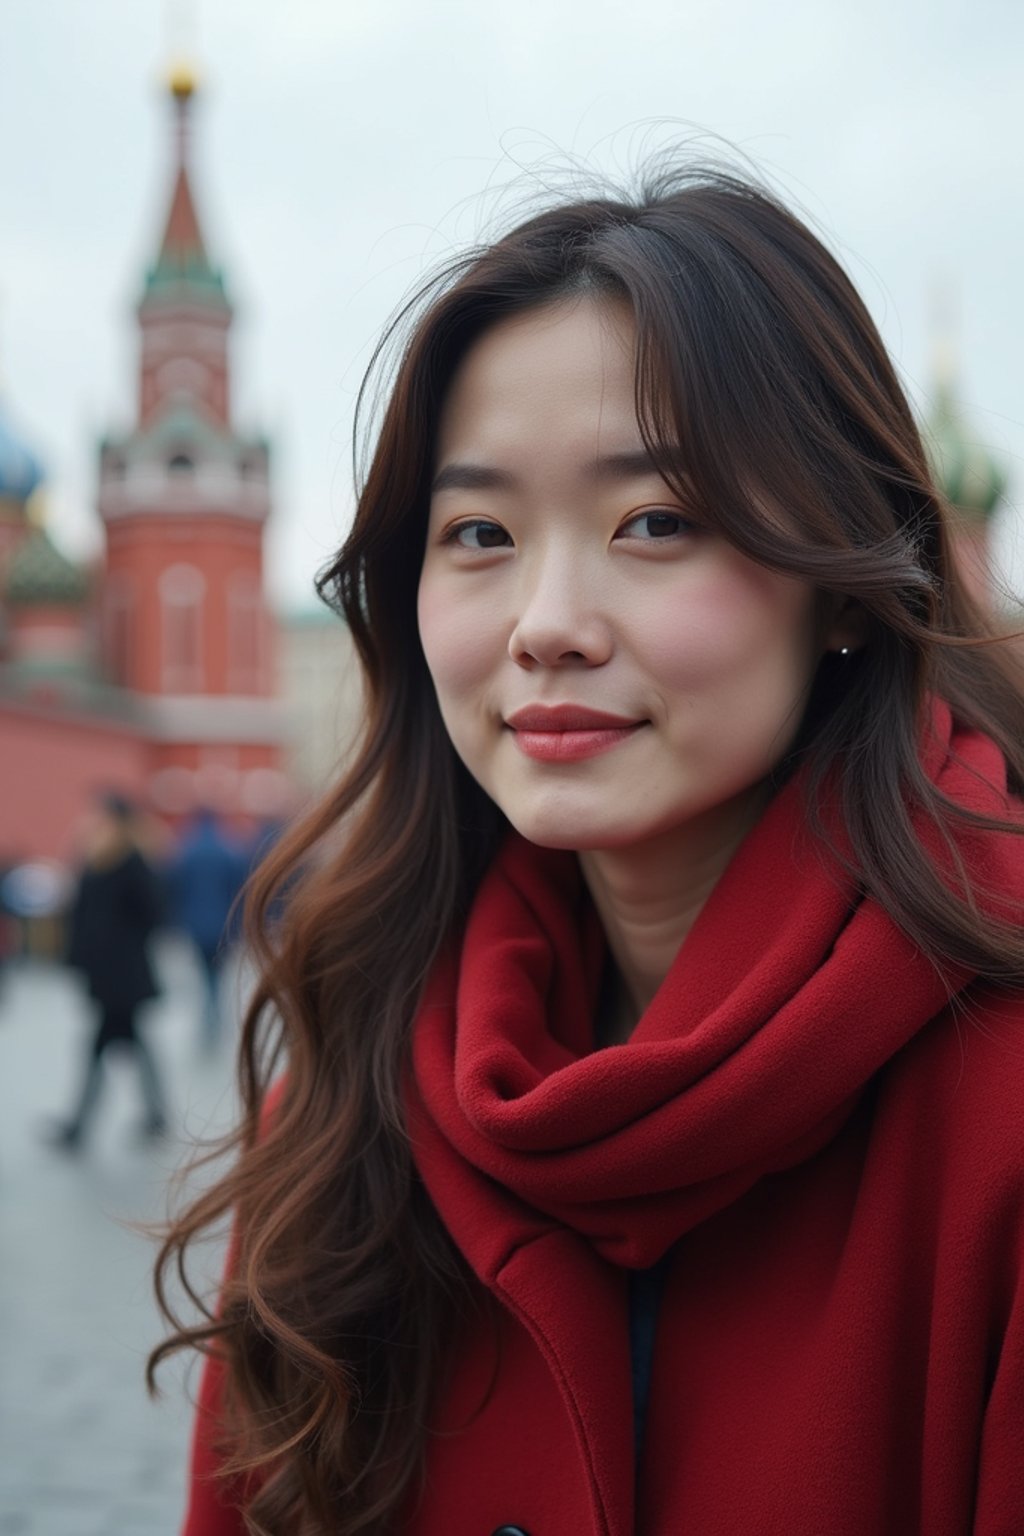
x: 182, y: 589
x: 119, y: 628
x: 245, y: 617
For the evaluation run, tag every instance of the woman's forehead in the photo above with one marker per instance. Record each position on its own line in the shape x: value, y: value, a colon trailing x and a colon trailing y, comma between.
x: 564, y: 372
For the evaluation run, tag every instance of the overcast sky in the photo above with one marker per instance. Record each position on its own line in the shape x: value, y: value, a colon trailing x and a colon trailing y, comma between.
x: 344, y: 146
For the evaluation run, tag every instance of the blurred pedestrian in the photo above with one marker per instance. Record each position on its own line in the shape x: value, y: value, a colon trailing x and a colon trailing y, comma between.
x: 115, y: 909
x: 205, y: 877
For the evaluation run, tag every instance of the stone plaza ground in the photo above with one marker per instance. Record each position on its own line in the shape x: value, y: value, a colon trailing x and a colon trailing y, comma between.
x: 83, y: 1450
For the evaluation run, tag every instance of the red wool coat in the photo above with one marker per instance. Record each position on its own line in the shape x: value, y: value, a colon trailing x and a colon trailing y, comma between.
x: 828, y: 1147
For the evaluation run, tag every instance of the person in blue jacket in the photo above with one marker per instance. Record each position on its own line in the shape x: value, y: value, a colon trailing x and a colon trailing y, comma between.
x: 205, y: 878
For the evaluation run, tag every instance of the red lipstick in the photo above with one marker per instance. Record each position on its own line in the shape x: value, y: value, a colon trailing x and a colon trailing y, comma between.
x: 568, y: 733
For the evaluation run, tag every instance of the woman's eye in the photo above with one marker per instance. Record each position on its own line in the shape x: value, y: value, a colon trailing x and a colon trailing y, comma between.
x: 478, y: 535
x: 649, y: 526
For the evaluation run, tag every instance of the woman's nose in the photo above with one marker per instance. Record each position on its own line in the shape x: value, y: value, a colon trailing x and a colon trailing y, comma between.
x: 560, y: 622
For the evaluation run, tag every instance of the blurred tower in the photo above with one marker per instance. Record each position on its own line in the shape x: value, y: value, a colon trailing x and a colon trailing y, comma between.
x: 21, y: 474
x: 971, y: 479
x: 184, y: 499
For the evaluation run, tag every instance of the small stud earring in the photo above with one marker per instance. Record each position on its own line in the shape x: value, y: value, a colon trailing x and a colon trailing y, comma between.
x: 844, y: 650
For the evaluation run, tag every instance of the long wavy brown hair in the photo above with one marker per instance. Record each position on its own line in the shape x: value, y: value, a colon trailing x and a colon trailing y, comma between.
x: 761, y: 370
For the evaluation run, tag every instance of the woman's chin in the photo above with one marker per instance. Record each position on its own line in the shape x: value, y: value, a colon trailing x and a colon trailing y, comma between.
x: 579, y: 833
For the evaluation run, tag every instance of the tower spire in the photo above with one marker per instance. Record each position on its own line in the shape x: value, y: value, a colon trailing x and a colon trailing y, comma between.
x: 182, y: 261
x: 184, y: 312
x: 181, y: 257
x: 971, y: 478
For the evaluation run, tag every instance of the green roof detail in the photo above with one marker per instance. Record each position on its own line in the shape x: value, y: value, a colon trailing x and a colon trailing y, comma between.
x: 185, y: 277
x: 184, y: 427
x: 40, y: 574
x: 970, y: 478
x: 189, y: 430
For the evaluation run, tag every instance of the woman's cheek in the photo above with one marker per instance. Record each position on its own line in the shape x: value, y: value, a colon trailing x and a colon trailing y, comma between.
x: 745, y: 621
x: 688, y: 638
x: 455, y: 636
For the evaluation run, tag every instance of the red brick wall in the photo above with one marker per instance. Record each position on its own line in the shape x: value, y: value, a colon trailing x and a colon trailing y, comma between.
x: 52, y: 769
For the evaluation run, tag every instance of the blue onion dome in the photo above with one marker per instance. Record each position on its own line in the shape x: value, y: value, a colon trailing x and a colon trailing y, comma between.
x: 20, y: 471
x: 40, y: 576
x: 970, y: 478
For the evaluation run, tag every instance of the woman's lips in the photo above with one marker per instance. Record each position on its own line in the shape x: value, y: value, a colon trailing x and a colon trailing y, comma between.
x: 568, y: 733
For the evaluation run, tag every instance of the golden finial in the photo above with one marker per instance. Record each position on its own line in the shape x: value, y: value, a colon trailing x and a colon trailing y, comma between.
x: 182, y: 80
x: 180, y: 47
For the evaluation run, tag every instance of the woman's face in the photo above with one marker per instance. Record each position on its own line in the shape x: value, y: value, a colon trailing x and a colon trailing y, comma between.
x: 608, y: 669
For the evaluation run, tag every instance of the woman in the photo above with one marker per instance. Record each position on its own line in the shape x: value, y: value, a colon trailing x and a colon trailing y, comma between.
x: 115, y: 910
x: 647, y: 1153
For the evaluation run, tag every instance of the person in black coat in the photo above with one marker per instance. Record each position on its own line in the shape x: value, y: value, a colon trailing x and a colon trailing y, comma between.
x: 114, y: 912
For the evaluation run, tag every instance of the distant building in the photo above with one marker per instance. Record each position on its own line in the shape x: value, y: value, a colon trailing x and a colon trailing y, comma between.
x: 321, y: 680
x: 971, y: 479
x: 157, y: 672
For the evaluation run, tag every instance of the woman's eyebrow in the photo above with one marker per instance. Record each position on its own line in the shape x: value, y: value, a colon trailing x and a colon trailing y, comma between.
x: 465, y: 476
x: 472, y: 477
x: 629, y: 464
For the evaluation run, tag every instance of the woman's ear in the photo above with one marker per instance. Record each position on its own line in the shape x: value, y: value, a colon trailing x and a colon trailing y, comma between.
x: 847, y: 628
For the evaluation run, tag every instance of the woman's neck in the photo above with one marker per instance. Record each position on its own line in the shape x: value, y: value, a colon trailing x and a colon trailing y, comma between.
x: 648, y: 897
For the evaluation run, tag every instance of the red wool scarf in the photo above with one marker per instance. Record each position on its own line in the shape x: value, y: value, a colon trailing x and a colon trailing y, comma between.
x: 789, y: 993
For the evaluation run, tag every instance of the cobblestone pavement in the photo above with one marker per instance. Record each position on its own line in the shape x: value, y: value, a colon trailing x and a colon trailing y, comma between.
x: 83, y: 1451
